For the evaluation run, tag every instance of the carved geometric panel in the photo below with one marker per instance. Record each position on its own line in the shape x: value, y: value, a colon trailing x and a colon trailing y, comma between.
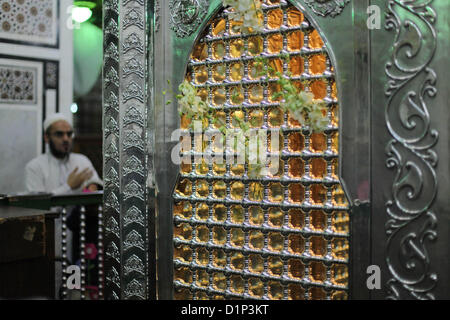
x: 17, y: 84
x: 29, y: 20
x: 51, y: 75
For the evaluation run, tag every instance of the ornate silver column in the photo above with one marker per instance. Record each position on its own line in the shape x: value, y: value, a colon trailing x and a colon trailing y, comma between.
x: 410, y: 149
x: 125, y: 149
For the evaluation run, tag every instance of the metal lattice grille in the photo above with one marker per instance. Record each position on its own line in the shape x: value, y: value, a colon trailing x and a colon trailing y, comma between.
x: 283, y: 236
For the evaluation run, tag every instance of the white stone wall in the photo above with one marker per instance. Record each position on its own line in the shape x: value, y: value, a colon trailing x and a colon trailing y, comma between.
x: 36, y: 71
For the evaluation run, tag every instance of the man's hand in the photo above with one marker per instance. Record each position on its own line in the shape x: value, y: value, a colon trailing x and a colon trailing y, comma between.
x: 75, y: 180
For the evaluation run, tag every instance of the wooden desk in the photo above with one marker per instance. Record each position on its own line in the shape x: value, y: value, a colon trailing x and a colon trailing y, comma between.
x: 27, y: 253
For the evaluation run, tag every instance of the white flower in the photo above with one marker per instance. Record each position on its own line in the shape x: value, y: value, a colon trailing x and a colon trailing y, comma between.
x: 318, y: 118
x: 246, y: 11
x: 299, y: 116
x: 190, y: 104
x: 306, y: 97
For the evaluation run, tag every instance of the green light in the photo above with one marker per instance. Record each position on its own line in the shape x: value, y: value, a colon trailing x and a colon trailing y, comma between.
x: 81, y: 14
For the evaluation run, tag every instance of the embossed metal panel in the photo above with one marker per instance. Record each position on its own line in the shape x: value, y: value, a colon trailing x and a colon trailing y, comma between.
x: 286, y: 235
x: 410, y: 167
x: 125, y: 150
x: 219, y: 234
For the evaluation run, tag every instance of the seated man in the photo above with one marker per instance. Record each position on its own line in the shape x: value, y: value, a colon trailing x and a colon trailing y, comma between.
x: 59, y: 170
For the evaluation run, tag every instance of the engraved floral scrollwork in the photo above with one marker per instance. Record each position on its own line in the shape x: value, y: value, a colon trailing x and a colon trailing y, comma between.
x: 133, y: 66
x: 112, y: 127
x: 133, y: 91
x: 112, y: 226
x: 111, y: 5
x: 133, y: 165
x: 134, y: 264
x: 112, y: 202
x: 113, y: 252
x: 411, y: 224
x: 112, y: 179
x: 133, y: 240
x: 135, y: 289
x: 133, y: 189
x: 112, y: 27
x: 186, y: 16
x: 133, y: 116
x: 111, y: 152
x: 325, y: 8
x: 113, y: 276
x: 133, y: 215
x: 141, y: 2
x: 133, y: 17
x: 114, y: 296
x: 112, y: 52
x: 112, y: 77
x: 157, y: 15
x: 133, y: 42
x: 111, y: 103
x: 132, y: 139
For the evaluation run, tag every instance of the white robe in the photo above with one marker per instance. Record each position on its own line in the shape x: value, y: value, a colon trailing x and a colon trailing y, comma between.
x: 47, y: 173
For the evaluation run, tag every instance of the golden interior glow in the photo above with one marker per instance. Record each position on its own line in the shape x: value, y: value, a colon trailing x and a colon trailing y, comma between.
x: 276, y: 116
x: 276, y: 217
x: 219, y: 258
x: 237, y: 237
x: 256, y: 215
x: 296, y: 142
x: 296, y: 292
x: 218, y: 27
x: 317, y: 64
x: 296, y: 193
x: 319, y: 89
x: 295, y: 41
x: 275, y: 43
x: 219, y: 72
x: 296, y: 268
x: 255, y: 45
x: 296, y: 66
x: 256, y: 263
x: 318, y: 246
x: 275, y: 19
x: 262, y: 237
x: 237, y: 214
x: 202, y: 256
x: 296, y: 244
x: 202, y: 211
x: 318, y: 220
x: 315, y: 41
x: 236, y: 48
x: 200, y: 52
x: 220, y: 212
x: 295, y: 17
x: 236, y: 71
x: 182, y: 294
x: 296, y: 219
x: 201, y: 74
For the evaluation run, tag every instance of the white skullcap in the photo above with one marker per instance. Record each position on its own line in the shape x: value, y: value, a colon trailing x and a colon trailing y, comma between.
x: 51, y: 119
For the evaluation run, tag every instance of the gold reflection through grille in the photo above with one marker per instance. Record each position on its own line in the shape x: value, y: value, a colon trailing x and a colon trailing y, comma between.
x: 267, y: 224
